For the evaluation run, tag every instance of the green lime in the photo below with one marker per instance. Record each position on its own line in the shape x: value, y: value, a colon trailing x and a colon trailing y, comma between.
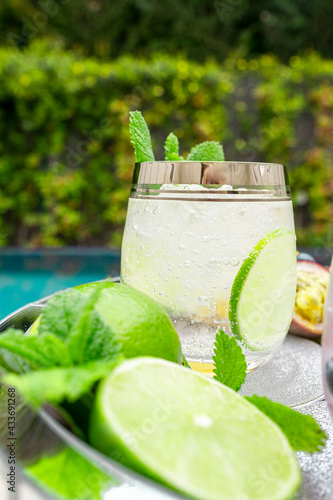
x: 139, y: 322
x: 263, y: 294
x: 191, y: 433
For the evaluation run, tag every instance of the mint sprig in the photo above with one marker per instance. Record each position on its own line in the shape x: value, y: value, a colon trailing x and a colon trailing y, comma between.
x: 230, y: 364
x: 171, y: 148
x: 302, y: 431
x: 140, y: 137
x: 141, y: 140
x: 206, y: 151
x: 74, y: 349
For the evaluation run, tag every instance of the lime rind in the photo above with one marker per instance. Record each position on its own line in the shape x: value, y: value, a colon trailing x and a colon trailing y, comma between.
x: 191, y: 433
x: 243, y: 328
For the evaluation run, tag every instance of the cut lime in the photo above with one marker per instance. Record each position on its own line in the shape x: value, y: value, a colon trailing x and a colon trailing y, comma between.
x: 263, y: 293
x: 191, y: 433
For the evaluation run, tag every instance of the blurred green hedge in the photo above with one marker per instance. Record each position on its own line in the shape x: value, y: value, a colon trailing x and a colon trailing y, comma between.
x: 66, y: 160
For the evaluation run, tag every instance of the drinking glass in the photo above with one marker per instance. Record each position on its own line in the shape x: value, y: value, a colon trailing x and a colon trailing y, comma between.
x: 194, y: 234
x: 327, y: 344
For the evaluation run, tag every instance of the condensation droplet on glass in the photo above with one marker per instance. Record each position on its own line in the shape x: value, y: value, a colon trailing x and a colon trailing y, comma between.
x: 155, y: 210
x: 161, y: 293
x: 181, y: 246
x: 225, y: 261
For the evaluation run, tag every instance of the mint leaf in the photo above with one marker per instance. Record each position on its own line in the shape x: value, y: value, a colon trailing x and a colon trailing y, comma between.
x: 12, y: 363
x: 90, y: 338
x: 61, y: 313
x: 39, y: 352
x: 206, y: 151
x: 302, y: 431
x: 171, y: 148
x: 71, y: 316
x: 56, y: 384
x: 140, y: 137
x: 229, y: 360
x: 69, y: 475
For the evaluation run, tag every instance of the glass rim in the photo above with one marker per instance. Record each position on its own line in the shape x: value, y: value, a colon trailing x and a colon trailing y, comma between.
x: 211, y: 178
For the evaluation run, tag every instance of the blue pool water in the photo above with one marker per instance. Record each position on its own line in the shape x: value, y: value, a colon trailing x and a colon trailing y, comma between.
x: 26, y: 276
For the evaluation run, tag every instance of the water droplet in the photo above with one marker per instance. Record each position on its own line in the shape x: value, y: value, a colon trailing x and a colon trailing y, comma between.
x: 225, y: 261
x: 234, y: 261
x: 161, y: 293
x: 155, y: 210
x: 181, y: 246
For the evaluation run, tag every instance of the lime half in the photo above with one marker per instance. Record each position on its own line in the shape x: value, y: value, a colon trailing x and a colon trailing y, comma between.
x: 191, y: 433
x: 263, y: 294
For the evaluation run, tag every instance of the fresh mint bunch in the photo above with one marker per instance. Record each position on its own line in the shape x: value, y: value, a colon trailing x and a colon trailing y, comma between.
x: 74, y: 349
x: 302, y: 431
x: 141, y: 140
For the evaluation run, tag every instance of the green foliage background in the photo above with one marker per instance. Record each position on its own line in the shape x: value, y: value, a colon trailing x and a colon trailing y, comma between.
x: 66, y: 161
x: 197, y: 28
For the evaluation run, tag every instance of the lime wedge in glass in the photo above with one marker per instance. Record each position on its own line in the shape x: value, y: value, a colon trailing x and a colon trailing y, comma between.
x: 191, y: 433
x: 263, y: 294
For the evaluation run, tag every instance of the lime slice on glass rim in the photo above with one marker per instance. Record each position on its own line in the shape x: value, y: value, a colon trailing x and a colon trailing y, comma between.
x: 191, y: 433
x: 263, y: 293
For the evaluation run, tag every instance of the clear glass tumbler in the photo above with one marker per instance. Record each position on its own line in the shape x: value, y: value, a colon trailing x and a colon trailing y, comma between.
x: 327, y: 344
x: 214, y: 243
